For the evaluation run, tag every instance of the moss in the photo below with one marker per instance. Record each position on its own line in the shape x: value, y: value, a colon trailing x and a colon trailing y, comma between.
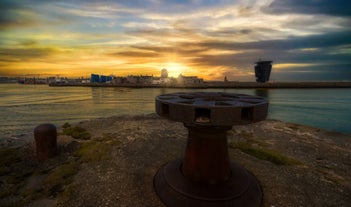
x: 19, y: 189
x: 94, y: 151
x: 8, y: 157
x: 67, y: 195
x: 250, y: 138
x: 265, y: 154
x: 77, y: 132
x: 109, y: 138
x: 256, y: 142
x: 247, y: 135
x: 59, y: 177
x: 18, y: 177
x: 66, y: 125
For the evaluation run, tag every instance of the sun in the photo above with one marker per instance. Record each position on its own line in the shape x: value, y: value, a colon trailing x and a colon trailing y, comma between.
x: 174, y: 69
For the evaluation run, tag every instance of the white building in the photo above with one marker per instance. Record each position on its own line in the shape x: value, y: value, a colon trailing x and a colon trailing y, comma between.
x: 164, y: 73
x: 189, y: 80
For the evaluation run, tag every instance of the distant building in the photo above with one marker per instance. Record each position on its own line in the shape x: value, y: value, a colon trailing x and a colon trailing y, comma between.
x: 164, y: 73
x: 263, y: 71
x: 141, y: 79
x: 94, y: 78
x: 119, y: 80
x: 156, y: 81
x: 189, y: 80
x: 145, y: 79
x: 105, y: 79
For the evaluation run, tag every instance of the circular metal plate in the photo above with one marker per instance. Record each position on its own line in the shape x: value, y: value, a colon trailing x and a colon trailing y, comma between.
x: 242, y: 189
x: 212, y: 108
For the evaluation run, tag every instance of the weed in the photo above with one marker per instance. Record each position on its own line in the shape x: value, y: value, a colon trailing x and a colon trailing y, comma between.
x: 265, y: 154
x: 109, y: 138
x: 18, y: 177
x: 59, y: 177
x: 8, y: 157
x: 66, y: 125
x: 77, y: 132
x: 94, y: 151
x: 67, y: 195
x: 247, y: 135
x: 257, y: 142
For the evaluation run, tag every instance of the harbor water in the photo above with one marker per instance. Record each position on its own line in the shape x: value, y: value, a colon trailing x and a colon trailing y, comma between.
x: 22, y: 107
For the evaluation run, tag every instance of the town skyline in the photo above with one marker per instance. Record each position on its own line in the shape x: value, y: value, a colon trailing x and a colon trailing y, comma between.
x: 306, y: 40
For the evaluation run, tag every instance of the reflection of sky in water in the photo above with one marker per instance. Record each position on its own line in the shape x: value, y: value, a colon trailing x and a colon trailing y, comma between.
x: 22, y: 107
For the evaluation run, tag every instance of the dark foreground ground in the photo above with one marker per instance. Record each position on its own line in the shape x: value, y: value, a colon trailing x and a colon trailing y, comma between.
x: 114, y: 161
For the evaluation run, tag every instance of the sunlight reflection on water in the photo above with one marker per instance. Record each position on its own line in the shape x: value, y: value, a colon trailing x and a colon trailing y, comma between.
x: 25, y: 106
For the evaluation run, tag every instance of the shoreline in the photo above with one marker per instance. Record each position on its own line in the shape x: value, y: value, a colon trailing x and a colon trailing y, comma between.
x: 217, y: 84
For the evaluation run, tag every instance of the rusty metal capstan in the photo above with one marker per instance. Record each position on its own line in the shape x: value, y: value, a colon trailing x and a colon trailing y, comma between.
x: 205, y: 176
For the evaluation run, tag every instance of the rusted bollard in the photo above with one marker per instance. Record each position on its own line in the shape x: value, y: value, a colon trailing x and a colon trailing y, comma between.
x: 205, y: 177
x: 45, y: 136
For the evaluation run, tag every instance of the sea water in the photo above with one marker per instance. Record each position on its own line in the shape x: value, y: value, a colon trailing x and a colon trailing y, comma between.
x: 22, y: 107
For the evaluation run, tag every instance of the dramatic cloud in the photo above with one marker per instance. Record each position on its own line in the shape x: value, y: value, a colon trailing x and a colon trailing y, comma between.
x: 307, y: 40
x: 327, y: 7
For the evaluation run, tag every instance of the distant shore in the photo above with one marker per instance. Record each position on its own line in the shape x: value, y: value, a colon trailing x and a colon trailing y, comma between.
x: 218, y: 84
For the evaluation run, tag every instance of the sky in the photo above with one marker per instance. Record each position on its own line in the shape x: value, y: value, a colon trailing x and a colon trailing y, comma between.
x: 307, y: 40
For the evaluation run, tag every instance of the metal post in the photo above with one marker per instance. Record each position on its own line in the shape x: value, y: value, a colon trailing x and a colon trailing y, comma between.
x: 205, y: 176
x: 45, y: 136
x: 206, y: 154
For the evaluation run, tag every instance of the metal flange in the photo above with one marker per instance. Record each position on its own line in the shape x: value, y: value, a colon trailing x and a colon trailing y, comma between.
x: 211, y: 108
x: 205, y: 177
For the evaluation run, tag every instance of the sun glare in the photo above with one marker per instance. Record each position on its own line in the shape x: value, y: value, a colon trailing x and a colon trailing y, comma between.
x: 174, y: 69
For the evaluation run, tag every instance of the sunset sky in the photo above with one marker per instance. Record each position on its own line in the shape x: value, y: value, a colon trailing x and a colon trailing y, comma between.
x: 306, y: 39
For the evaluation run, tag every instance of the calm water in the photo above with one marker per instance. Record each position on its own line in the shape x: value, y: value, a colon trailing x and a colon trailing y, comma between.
x: 22, y: 107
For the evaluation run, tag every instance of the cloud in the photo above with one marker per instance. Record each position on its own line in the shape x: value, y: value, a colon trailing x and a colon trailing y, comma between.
x: 331, y: 39
x: 135, y: 54
x: 310, y: 7
x: 28, y: 42
x: 29, y: 14
x: 23, y: 54
x: 210, y: 38
x: 313, y: 73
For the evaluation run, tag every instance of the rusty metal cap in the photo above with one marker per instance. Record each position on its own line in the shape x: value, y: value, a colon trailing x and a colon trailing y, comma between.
x: 212, y: 108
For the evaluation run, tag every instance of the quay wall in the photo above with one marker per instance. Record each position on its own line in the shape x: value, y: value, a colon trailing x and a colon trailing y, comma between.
x: 215, y: 84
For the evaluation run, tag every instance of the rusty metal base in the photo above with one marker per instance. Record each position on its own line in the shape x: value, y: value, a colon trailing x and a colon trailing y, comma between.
x: 242, y: 189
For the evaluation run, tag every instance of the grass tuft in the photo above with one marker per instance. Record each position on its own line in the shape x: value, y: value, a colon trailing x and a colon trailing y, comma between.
x: 9, y: 156
x: 59, y: 177
x: 77, y: 132
x: 94, y: 151
x: 265, y: 154
x: 67, y: 195
x: 66, y: 125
